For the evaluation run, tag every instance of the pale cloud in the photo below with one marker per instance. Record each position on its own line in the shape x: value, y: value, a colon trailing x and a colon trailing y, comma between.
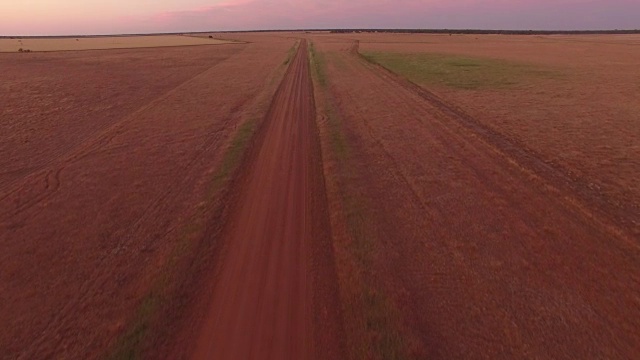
x: 487, y: 14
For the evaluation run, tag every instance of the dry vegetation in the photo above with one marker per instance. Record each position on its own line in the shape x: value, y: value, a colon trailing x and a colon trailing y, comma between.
x: 574, y: 99
x: 486, y: 191
x: 114, y: 172
x: 103, y: 42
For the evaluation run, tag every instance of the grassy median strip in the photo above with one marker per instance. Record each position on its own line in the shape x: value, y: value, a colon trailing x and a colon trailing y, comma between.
x: 370, y: 317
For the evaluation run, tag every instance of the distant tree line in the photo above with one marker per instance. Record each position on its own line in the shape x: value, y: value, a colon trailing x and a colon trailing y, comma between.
x: 449, y: 31
x: 487, y: 32
x: 348, y: 31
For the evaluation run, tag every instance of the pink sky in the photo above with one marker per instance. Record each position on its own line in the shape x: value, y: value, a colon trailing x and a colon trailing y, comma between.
x: 56, y: 17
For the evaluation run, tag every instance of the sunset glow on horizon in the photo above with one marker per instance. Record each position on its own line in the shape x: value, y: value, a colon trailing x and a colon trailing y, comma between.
x: 49, y: 17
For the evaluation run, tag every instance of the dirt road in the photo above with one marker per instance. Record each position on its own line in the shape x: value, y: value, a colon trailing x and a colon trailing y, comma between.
x: 262, y: 302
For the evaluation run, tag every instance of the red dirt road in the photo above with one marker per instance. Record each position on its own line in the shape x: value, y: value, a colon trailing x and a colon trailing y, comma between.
x: 261, y: 307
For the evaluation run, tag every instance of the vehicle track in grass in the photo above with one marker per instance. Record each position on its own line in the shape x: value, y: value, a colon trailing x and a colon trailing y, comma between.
x: 482, y: 257
x: 619, y: 215
x: 87, y: 129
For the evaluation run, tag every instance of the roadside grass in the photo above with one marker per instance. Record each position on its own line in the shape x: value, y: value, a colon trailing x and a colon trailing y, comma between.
x: 291, y: 53
x: 371, y: 319
x: 460, y: 72
x: 233, y: 155
x: 240, y: 142
x: 318, y: 65
x: 370, y: 308
x: 338, y: 141
x: 141, y: 330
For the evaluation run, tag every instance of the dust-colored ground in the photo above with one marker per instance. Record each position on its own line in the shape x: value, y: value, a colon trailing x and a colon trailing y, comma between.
x: 103, y: 42
x: 465, y: 221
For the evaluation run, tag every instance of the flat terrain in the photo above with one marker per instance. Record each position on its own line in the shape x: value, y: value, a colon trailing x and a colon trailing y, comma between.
x: 297, y: 195
x: 103, y: 42
x: 573, y: 100
x: 479, y: 217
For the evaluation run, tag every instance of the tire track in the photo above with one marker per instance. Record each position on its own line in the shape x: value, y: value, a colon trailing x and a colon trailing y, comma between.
x: 619, y: 216
x: 136, y: 230
x: 94, y: 143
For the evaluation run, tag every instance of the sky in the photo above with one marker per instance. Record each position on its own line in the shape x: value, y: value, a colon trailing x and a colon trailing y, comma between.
x: 76, y: 17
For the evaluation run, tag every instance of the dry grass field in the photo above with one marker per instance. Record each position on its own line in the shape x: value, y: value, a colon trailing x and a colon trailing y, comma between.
x: 321, y: 196
x: 103, y: 42
x: 487, y: 191
x: 576, y: 100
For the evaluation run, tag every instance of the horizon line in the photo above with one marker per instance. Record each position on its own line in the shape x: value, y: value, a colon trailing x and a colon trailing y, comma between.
x: 405, y: 30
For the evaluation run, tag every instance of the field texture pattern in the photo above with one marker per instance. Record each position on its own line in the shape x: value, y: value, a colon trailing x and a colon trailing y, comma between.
x: 312, y: 195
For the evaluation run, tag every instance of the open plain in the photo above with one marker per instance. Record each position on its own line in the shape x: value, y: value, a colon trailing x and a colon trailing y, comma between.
x: 102, y: 42
x: 318, y: 195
